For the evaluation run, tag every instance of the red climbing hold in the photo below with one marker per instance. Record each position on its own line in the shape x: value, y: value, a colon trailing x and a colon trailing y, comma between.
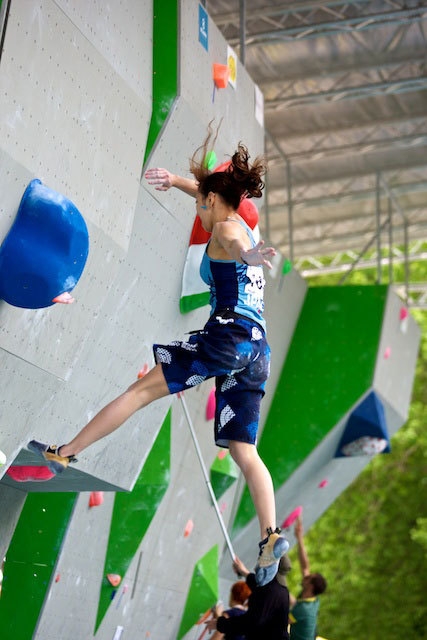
x: 29, y: 473
x: 96, y: 498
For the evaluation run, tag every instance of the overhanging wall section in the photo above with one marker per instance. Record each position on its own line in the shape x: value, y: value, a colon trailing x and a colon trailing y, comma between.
x: 350, y: 344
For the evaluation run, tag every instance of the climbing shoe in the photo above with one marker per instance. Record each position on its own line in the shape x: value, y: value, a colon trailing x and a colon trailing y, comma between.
x: 49, y: 453
x: 271, y: 549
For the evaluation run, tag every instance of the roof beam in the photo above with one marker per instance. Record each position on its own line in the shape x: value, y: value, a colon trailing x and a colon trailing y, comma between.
x: 349, y: 175
x: 277, y: 224
x: 354, y: 196
x: 344, y: 25
x: 381, y: 60
x: 286, y: 8
x: 340, y: 242
x: 368, y: 146
x: 403, y: 85
x: 373, y: 123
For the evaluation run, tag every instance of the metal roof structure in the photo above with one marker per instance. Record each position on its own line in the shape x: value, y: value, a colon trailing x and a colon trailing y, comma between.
x: 345, y: 96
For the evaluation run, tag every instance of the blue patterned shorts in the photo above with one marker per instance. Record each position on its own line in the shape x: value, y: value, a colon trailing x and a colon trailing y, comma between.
x: 232, y: 349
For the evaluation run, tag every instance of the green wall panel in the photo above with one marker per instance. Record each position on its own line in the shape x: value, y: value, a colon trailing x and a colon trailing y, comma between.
x: 133, y: 512
x: 330, y: 364
x: 31, y: 560
x: 165, y: 66
x: 203, y: 591
x: 223, y: 473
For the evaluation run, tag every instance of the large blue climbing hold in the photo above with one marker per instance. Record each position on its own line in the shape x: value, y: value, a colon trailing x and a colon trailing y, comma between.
x: 367, y: 427
x: 45, y: 251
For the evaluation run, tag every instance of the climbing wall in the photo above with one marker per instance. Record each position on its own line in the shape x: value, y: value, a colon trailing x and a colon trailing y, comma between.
x: 94, y: 94
x: 126, y: 543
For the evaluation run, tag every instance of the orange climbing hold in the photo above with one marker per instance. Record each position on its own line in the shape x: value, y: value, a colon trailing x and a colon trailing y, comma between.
x: 114, y: 579
x: 221, y: 74
x: 143, y: 372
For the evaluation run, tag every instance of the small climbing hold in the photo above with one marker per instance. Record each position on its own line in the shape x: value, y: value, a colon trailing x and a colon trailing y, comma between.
x: 188, y: 528
x: 210, y: 160
x: 57, y: 577
x: 211, y: 405
x: 404, y: 318
x: 403, y: 313
x: 387, y: 353
x: 114, y: 579
x: 221, y: 74
x: 143, y: 372
x: 96, y: 498
x: 222, y: 454
x: 288, y: 522
x: 64, y: 298
x: 287, y: 267
x: 222, y: 507
x: 323, y: 483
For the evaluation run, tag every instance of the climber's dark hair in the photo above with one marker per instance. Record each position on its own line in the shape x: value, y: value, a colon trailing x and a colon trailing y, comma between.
x: 239, y: 180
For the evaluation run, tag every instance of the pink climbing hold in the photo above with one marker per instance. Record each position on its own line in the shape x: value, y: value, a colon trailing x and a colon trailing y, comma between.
x: 211, y: 405
x: 387, y: 353
x: 114, y: 579
x: 287, y: 522
x: 404, y: 313
x: 222, y: 507
x: 222, y: 454
x: 323, y: 483
x: 29, y: 473
x: 143, y: 372
x: 58, y: 577
x: 96, y: 498
x: 188, y: 528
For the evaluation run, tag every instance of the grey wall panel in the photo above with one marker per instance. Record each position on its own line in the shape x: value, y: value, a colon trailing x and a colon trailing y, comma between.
x: 72, y: 602
x: 83, y: 134
x: 26, y: 394
x: 236, y: 106
x: 122, y: 33
x: 14, y: 178
x: 53, y: 338
x: 397, y: 356
x: 11, y: 503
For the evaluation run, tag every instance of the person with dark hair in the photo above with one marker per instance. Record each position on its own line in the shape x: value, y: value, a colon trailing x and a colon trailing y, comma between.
x: 239, y: 594
x: 232, y: 346
x: 268, y: 608
x: 305, y: 608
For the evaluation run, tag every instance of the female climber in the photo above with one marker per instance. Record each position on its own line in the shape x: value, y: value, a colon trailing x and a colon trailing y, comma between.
x: 231, y: 347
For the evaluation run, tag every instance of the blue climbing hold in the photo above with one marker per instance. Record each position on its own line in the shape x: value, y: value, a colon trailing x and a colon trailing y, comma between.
x: 366, y: 421
x: 45, y: 251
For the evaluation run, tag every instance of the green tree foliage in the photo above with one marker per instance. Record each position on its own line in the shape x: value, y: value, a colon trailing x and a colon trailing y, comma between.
x: 371, y: 544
